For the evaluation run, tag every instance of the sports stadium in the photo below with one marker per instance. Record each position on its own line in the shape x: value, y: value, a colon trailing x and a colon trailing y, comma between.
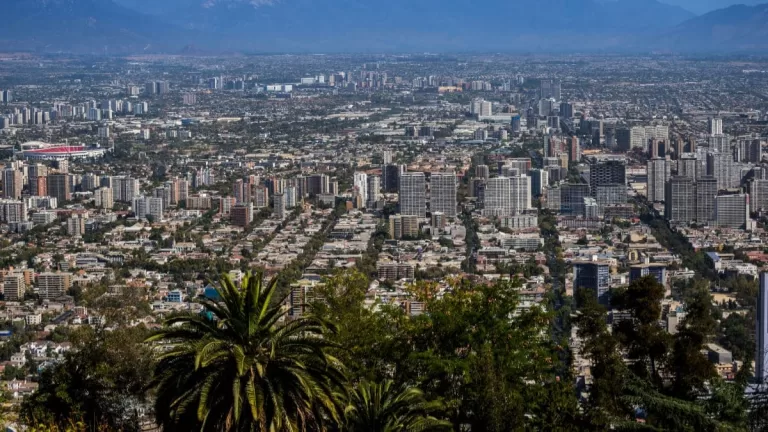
x: 38, y: 150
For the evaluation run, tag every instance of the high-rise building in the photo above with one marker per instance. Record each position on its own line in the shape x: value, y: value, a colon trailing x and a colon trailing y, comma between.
x: 279, y: 205
x: 242, y: 214
x: 750, y: 149
x: 403, y: 226
x: 715, y: 126
x: 12, y: 183
x: 606, y: 171
x: 443, y: 193
x: 104, y: 198
x: 391, y: 177
x: 412, y: 194
x: 520, y: 193
x: 679, y: 200
x: 125, y: 189
x: 58, y: 187
x: 361, y: 184
x: 575, y: 150
x: 659, y: 271
x: 14, y: 287
x: 76, y: 225
x: 732, y: 211
x: 483, y: 172
x: 550, y: 88
x: 373, y: 191
x: 610, y: 195
x: 497, y: 199
x: 658, y: 173
x: 572, y: 198
x: 761, y: 335
x: 706, y: 191
x: 686, y: 165
x: 53, y: 285
x: 595, y: 276
x: 637, y: 137
x: 539, y: 181
x: 481, y: 108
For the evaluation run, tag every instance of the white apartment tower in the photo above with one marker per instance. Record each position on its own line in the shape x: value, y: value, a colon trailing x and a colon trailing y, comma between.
x: 413, y: 194
x: 443, y: 193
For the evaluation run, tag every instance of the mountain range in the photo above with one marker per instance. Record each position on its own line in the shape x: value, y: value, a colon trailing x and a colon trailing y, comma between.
x: 130, y: 26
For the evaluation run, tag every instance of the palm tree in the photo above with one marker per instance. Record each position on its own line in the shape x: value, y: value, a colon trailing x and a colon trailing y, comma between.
x: 381, y: 407
x: 238, y: 367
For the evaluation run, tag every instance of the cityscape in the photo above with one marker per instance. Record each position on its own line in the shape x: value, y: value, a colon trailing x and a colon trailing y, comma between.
x: 512, y: 242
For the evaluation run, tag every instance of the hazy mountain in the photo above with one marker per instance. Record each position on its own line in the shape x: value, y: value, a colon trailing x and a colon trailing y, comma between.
x: 82, y: 26
x: 739, y: 27
x: 368, y: 25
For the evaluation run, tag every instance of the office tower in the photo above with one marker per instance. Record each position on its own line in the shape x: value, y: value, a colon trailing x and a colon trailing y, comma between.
x: 732, y: 211
x: 550, y: 88
x: 657, y: 148
x: 608, y: 195
x: 482, y: 172
x: 657, y: 179
x: 14, y: 287
x: 290, y: 197
x: 12, y: 183
x: 279, y: 205
x: 572, y: 198
x: 104, y: 198
x: 623, y: 139
x: 443, y: 193
x: 516, y: 124
x: 497, y: 199
x: 76, y: 226
x: 706, y: 191
x: 53, y: 285
x: 412, y: 194
x: 7, y: 96
x: 761, y: 335
x: 749, y: 150
x: 602, y: 172
x: 680, y: 200
x: 539, y: 181
x: 720, y: 143
x: 386, y: 157
x: 658, y: 271
x: 318, y: 184
x: 686, y: 165
x: 575, y: 150
x: 373, y: 191
x: 758, y: 195
x: 546, y: 106
x: 57, y: 186
x: 566, y: 110
x: 595, y: 276
x: 715, y: 126
x: 520, y: 193
x: 361, y: 184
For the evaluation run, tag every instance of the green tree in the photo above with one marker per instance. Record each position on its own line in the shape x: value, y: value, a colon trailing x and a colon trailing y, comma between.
x: 384, y: 407
x: 237, y: 367
x: 101, y: 382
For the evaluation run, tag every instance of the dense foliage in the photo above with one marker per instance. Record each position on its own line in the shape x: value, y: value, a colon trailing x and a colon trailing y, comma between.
x: 476, y: 360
